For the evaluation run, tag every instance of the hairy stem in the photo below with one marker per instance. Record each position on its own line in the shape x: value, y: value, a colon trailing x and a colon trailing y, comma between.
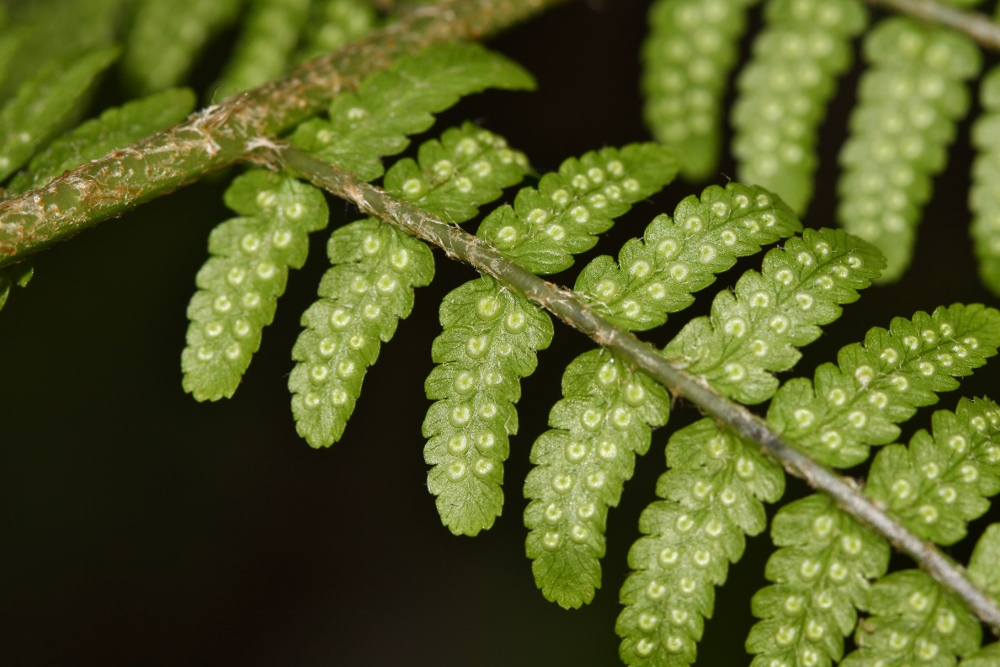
x: 219, y: 135
x: 563, y: 303
x: 976, y: 25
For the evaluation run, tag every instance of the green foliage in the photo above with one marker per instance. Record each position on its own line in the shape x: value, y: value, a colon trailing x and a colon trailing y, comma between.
x: 910, y: 101
x: 450, y: 179
x: 559, y: 219
x: 167, y: 36
x: 19, y: 274
x: 691, y: 47
x: 988, y: 656
x: 712, y: 497
x: 599, y: 426
x: 477, y: 346
x: 489, y: 342
x: 239, y: 285
x: 680, y: 256
x: 983, y: 566
x: 45, y: 31
x: 116, y: 128
x: 939, y: 483
x: 334, y: 23
x: 846, y: 409
x: 267, y: 40
x: 401, y: 100
x: 821, y: 576
x: 784, y: 90
x: 754, y: 332
x: 376, y: 268
x: 43, y: 103
x: 984, y: 196
x: 716, y: 481
x: 938, y: 487
x: 913, y: 621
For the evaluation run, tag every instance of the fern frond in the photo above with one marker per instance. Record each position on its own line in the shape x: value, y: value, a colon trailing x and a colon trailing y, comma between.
x: 754, y: 332
x: 846, y: 409
x: 914, y: 621
x: 599, y: 426
x: 691, y: 47
x: 984, y: 199
x: 117, y: 127
x: 675, y: 258
x: 909, y: 102
x: 392, y: 104
x: 334, y: 23
x: 821, y: 576
x: 559, y: 219
x: 167, y: 36
x: 376, y: 268
x: 713, y: 492
x: 489, y: 342
x: 656, y: 275
x: 540, y: 229
x: 239, y: 285
x: 42, y: 103
x: 268, y: 37
x: 784, y: 89
x: 938, y: 484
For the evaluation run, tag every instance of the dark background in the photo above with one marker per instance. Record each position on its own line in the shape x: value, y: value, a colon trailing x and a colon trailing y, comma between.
x: 140, y: 527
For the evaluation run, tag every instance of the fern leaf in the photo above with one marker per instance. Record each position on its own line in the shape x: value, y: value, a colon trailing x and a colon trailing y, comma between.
x: 784, y: 89
x: 116, y: 127
x: 42, y: 104
x: 914, y: 621
x: 399, y: 101
x: 939, y: 483
x: 19, y: 274
x: 822, y: 575
x: 755, y: 331
x: 910, y: 101
x: 988, y: 656
x: 680, y: 256
x: 239, y: 285
x: 599, y: 426
x: 489, y: 341
x: 452, y: 177
x: 10, y: 42
x: 548, y: 225
x: 984, y: 200
x: 713, y: 493
x: 983, y: 569
x: 602, y: 185
x: 846, y: 409
x: 267, y: 40
x: 167, y: 36
x: 334, y: 23
x: 676, y: 258
x: 691, y: 47
x: 376, y: 269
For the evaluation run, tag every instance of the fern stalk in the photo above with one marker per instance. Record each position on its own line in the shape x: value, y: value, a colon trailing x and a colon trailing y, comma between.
x: 221, y: 134
x: 976, y: 25
x: 565, y: 305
